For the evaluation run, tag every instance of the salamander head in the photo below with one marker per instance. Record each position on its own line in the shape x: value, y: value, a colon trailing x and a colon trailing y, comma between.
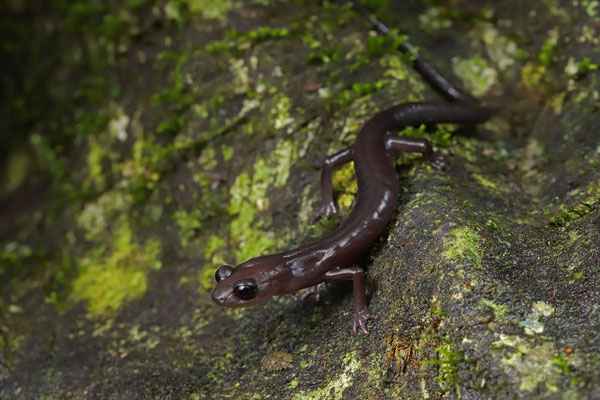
x: 249, y: 283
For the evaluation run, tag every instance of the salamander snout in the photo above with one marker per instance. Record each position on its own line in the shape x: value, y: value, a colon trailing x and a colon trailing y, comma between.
x: 219, y: 298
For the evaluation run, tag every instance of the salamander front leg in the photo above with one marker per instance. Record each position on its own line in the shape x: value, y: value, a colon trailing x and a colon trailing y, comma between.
x: 361, y: 312
x: 326, y: 205
x: 317, y: 290
x: 437, y: 160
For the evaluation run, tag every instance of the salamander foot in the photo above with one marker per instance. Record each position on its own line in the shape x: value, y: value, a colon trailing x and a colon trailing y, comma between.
x: 317, y: 290
x: 360, y: 320
x: 323, y: 209
x: 440, y: 162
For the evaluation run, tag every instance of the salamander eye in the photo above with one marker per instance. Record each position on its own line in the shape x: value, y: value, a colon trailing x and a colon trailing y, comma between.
x: 223, y: 272
x: 245, y: 289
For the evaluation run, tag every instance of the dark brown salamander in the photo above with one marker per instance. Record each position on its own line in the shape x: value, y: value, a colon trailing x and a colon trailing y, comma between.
x: 331, y: 257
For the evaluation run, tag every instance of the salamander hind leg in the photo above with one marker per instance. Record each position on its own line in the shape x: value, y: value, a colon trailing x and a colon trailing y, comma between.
x: 423, y: 146
x: 361, y: 313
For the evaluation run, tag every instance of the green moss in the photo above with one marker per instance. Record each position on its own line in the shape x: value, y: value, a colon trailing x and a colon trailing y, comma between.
x: 96, y: 153
x: 96, y: 217
x: 214, y: 244
x: 574, y: 236
x: 463, y: 245
x: 17, y: 167
x: 62, y: 270
x: 579, y: 69
x: 334, y: 389
x: 534, y: 358
x: 344, y: 181
x: 548, y: 50
x: 379, y: 45
x: 189, y: 224
x: 479, y: 77
x: 441, y: 137
x: 534, y: 75
x: 216, y: 9
x: 227, y: 152
x: 280, y: 113
x: 434, y: 20
x: 398, y: 69
x: 209, y: 200
x: 248, y: 198
x: 114, y: 274
x: 48, y: 157
x: 484, y: 181
x: 181, y: 11
x: 236, y: 41
x: 499, y: 310
x: 533, y: 363
x: 248, y: 201
x: 592, y: 7
x: 449, y: 360
x: 563, y: 363
x: 501, y: 49
x: 12, y: 255
x: 568, y: 215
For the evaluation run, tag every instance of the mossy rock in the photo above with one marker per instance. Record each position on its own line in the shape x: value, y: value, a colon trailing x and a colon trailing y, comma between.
x: 171, y: 136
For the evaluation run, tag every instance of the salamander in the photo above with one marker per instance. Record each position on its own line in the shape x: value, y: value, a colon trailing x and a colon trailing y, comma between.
x: 330, y: 258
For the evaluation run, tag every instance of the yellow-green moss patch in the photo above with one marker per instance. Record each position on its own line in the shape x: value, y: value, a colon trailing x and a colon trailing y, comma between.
x: 463, y: 245
x: 335, y: 388
x: 114, y: 274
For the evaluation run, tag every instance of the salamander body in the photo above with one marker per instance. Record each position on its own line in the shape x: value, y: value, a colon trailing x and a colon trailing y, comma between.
x: 331, y: 257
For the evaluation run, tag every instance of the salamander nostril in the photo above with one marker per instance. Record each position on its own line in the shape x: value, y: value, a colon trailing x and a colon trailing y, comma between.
x: 219, y: 299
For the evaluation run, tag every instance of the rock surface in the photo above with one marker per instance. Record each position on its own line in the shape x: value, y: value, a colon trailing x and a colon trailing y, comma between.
x: 159, y: 139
